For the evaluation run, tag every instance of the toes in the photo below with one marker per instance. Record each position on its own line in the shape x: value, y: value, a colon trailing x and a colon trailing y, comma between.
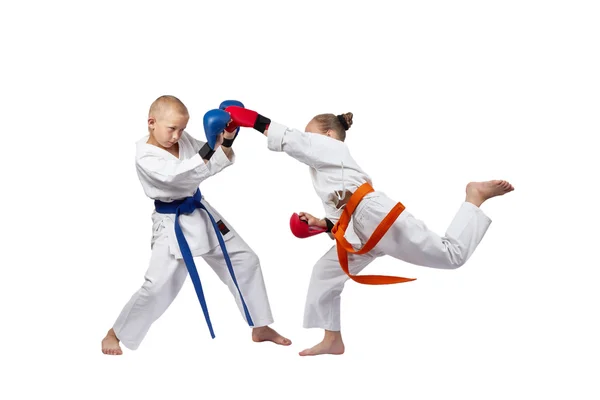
x: 281, y: 340
x: 112, y: 352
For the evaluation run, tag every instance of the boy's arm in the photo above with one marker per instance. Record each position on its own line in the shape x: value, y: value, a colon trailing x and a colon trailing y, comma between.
x: 228, y: 152
x: 224, y: 142
x: 184, y: 174
x: 227, y: 142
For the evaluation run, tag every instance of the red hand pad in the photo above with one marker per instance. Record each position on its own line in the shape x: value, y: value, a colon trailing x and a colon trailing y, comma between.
x: 300, y: 228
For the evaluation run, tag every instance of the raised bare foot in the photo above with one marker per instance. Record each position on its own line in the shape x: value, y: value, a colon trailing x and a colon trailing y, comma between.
x: 110, y: 344
x: 478, y: 192
x: 332, y: 344
x: 268, y: 334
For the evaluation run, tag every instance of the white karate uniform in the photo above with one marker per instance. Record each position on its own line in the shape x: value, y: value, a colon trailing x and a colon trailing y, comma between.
x: 166, y: 178
x: 408, y: 239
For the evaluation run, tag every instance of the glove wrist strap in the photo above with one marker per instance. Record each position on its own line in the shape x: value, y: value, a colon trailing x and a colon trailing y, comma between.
x: 206, y: 152
x: 329, y: 225
x: 261, y: 123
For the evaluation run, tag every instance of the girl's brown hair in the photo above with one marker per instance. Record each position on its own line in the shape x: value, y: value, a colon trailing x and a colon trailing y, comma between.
x: 338, y: 123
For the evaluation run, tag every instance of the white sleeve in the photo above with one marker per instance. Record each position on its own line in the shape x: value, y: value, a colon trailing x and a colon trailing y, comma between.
x: 295, y: 143
x: 198, y: 144
x: 183, y: 174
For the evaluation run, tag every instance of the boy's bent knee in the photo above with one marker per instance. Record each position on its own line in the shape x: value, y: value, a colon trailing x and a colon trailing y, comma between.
x: 251, y: 258
x: 151, y: 289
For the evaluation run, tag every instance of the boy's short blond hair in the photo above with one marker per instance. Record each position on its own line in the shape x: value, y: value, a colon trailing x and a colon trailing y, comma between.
x: 164, y: 104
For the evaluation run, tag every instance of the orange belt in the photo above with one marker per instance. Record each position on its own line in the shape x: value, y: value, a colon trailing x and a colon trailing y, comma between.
x: 343, y: 247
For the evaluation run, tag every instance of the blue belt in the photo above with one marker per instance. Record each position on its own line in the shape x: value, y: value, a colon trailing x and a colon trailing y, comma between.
x: 187, y: 206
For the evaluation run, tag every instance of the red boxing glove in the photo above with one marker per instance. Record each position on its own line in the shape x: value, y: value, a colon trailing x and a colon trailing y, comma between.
x: 247, y: 118
x: 231, y: 127
x: 227, y: 103
x: 300, y: 228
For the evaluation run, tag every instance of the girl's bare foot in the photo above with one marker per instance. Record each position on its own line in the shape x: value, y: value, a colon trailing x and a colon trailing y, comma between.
x: 110, y: 344
x: 267, y: 334
x: 332, y: 344
x: 478, y: 192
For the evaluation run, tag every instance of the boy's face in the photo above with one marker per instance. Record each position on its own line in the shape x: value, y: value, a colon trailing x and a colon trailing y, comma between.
x: 167, y: 128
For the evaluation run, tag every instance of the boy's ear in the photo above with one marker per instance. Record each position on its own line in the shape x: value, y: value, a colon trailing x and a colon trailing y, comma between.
x: 151, y: 122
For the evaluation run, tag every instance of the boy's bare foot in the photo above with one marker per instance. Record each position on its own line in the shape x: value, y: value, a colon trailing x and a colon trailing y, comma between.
x: 332, y: 344
x: 268, y: 334
x: 478, y: 192
x: 110, y: 344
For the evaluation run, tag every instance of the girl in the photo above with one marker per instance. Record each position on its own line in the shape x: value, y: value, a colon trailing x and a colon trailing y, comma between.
x: 379, y: 222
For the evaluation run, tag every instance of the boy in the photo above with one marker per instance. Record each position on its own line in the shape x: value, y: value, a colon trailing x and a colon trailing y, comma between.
x: 170, y: 168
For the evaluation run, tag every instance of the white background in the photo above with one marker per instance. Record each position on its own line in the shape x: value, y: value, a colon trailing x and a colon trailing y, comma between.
x: 442, y: 92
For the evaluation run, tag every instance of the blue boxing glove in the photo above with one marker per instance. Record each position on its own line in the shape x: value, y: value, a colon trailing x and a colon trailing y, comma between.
x: 232, y: 127
x: 215, y: 122
x: 228, y: 103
